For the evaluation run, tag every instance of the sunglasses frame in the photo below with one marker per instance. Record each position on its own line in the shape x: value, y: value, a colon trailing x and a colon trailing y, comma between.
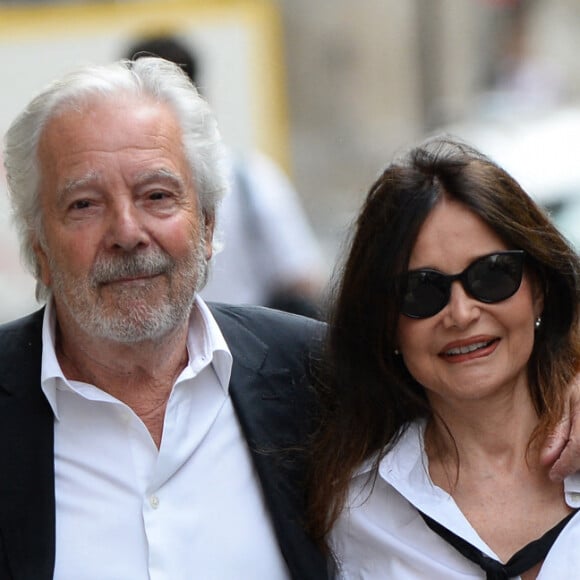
x: 463, y: 277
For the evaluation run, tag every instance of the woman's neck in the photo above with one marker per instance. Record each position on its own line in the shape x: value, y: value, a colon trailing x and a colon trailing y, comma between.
x: 481, y: 436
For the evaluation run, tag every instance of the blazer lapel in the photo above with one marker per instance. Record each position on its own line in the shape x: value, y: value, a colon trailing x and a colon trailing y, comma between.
x: 272, y: 405
x: 27, y: 509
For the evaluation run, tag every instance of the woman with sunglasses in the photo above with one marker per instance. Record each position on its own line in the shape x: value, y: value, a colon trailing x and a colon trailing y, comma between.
x: 453, y: 338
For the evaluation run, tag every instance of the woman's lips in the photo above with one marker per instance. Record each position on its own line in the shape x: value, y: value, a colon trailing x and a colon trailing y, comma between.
x: 460, y: 351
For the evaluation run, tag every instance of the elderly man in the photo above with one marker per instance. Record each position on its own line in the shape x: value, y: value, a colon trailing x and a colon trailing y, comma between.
x: 143, y: 433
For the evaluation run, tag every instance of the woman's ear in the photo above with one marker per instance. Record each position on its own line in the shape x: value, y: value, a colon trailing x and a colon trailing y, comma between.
x: 537, y: 296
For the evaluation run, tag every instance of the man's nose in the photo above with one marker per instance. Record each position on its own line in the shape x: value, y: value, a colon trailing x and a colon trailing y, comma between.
x: 126, y: 229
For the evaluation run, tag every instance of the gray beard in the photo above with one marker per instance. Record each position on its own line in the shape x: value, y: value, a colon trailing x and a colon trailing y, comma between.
x: 134, y: 319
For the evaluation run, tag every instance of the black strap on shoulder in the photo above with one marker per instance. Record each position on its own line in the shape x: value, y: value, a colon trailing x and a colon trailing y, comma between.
x: 523, y: 560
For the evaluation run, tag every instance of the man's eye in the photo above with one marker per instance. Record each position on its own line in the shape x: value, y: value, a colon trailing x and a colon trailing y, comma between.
x: 80, y: 204
x: 158, y: 195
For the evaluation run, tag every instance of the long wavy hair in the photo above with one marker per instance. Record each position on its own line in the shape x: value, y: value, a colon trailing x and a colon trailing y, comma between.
x: 367, y: 396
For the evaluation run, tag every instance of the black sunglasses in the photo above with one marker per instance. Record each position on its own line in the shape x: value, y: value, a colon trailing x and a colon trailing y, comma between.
x: 489, y: 279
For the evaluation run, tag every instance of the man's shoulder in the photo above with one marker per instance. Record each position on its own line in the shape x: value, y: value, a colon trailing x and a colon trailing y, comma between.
x: 268, y: 322
x: 26, y: 327
x: 21, y: 352
x: 291, y: 340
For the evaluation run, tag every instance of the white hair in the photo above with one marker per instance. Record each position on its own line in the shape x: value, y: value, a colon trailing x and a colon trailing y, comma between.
x: 147, y: 77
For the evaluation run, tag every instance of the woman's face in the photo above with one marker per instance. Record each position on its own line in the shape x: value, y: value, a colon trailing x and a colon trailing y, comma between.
x: 469, y: 350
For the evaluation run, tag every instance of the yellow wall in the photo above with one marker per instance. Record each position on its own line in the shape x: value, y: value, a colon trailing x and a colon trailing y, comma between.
x: 242, y: 38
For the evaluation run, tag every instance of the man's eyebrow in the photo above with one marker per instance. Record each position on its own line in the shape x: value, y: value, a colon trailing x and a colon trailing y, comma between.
x: 73, y: 184
x: 164, y: 175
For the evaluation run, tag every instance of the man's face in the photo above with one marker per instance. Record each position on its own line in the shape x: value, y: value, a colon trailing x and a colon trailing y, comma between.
x: 124, y: 246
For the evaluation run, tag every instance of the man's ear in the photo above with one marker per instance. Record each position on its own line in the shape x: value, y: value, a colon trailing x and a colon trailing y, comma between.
x: 43, y: 270
x: 209, y: 225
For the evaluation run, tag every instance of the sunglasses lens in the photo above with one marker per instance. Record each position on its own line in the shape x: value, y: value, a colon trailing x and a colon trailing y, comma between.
x: 490, y: 279
x: 496, y: 277
x: 425, y: 293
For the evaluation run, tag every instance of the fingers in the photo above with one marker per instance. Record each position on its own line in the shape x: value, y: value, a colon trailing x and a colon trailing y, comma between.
x: 563, y: 445
x: 555, y: 451
x: 568, y: 462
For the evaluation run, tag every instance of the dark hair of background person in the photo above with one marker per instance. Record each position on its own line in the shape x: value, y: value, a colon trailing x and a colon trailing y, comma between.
x: 168, y: 47
x: 367, y: 396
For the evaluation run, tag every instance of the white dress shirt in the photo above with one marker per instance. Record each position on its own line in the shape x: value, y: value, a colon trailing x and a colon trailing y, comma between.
x: 125, y: 510
x: 382, y: 535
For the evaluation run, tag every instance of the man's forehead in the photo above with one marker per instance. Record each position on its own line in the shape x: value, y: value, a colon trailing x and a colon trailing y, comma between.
x: 111, y: 126
x: 131, y: 111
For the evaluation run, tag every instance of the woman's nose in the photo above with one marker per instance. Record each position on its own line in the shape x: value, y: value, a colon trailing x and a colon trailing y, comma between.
x: 462, y: 309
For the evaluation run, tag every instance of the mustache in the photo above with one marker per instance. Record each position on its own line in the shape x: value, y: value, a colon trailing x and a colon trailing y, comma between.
x: 130, y: 266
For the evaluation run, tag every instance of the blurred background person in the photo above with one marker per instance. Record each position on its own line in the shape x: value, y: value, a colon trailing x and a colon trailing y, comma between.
x: 453, y: 340
x: 269, y: 256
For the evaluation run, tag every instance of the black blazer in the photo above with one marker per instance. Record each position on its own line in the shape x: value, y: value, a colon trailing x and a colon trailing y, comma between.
x: 269, y: 390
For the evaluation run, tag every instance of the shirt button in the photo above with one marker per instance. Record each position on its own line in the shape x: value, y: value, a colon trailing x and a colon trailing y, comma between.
x: 154, y: 502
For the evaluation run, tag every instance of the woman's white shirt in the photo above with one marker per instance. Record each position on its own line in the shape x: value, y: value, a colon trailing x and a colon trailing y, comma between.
x: 380, y: 534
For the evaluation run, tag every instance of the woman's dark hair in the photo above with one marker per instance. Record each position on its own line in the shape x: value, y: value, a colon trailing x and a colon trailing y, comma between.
x: 367, y: 396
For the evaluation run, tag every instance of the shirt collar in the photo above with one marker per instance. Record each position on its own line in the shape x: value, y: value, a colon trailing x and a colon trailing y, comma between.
x: 205, y: 345
x: 572, y: 490
x: 206, y: 339
x: 408, y: 448
x: 50, y: 372
x: 407, y: 470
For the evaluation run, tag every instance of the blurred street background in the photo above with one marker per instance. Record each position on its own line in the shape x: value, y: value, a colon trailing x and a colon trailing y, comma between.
x: 333, y: 89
